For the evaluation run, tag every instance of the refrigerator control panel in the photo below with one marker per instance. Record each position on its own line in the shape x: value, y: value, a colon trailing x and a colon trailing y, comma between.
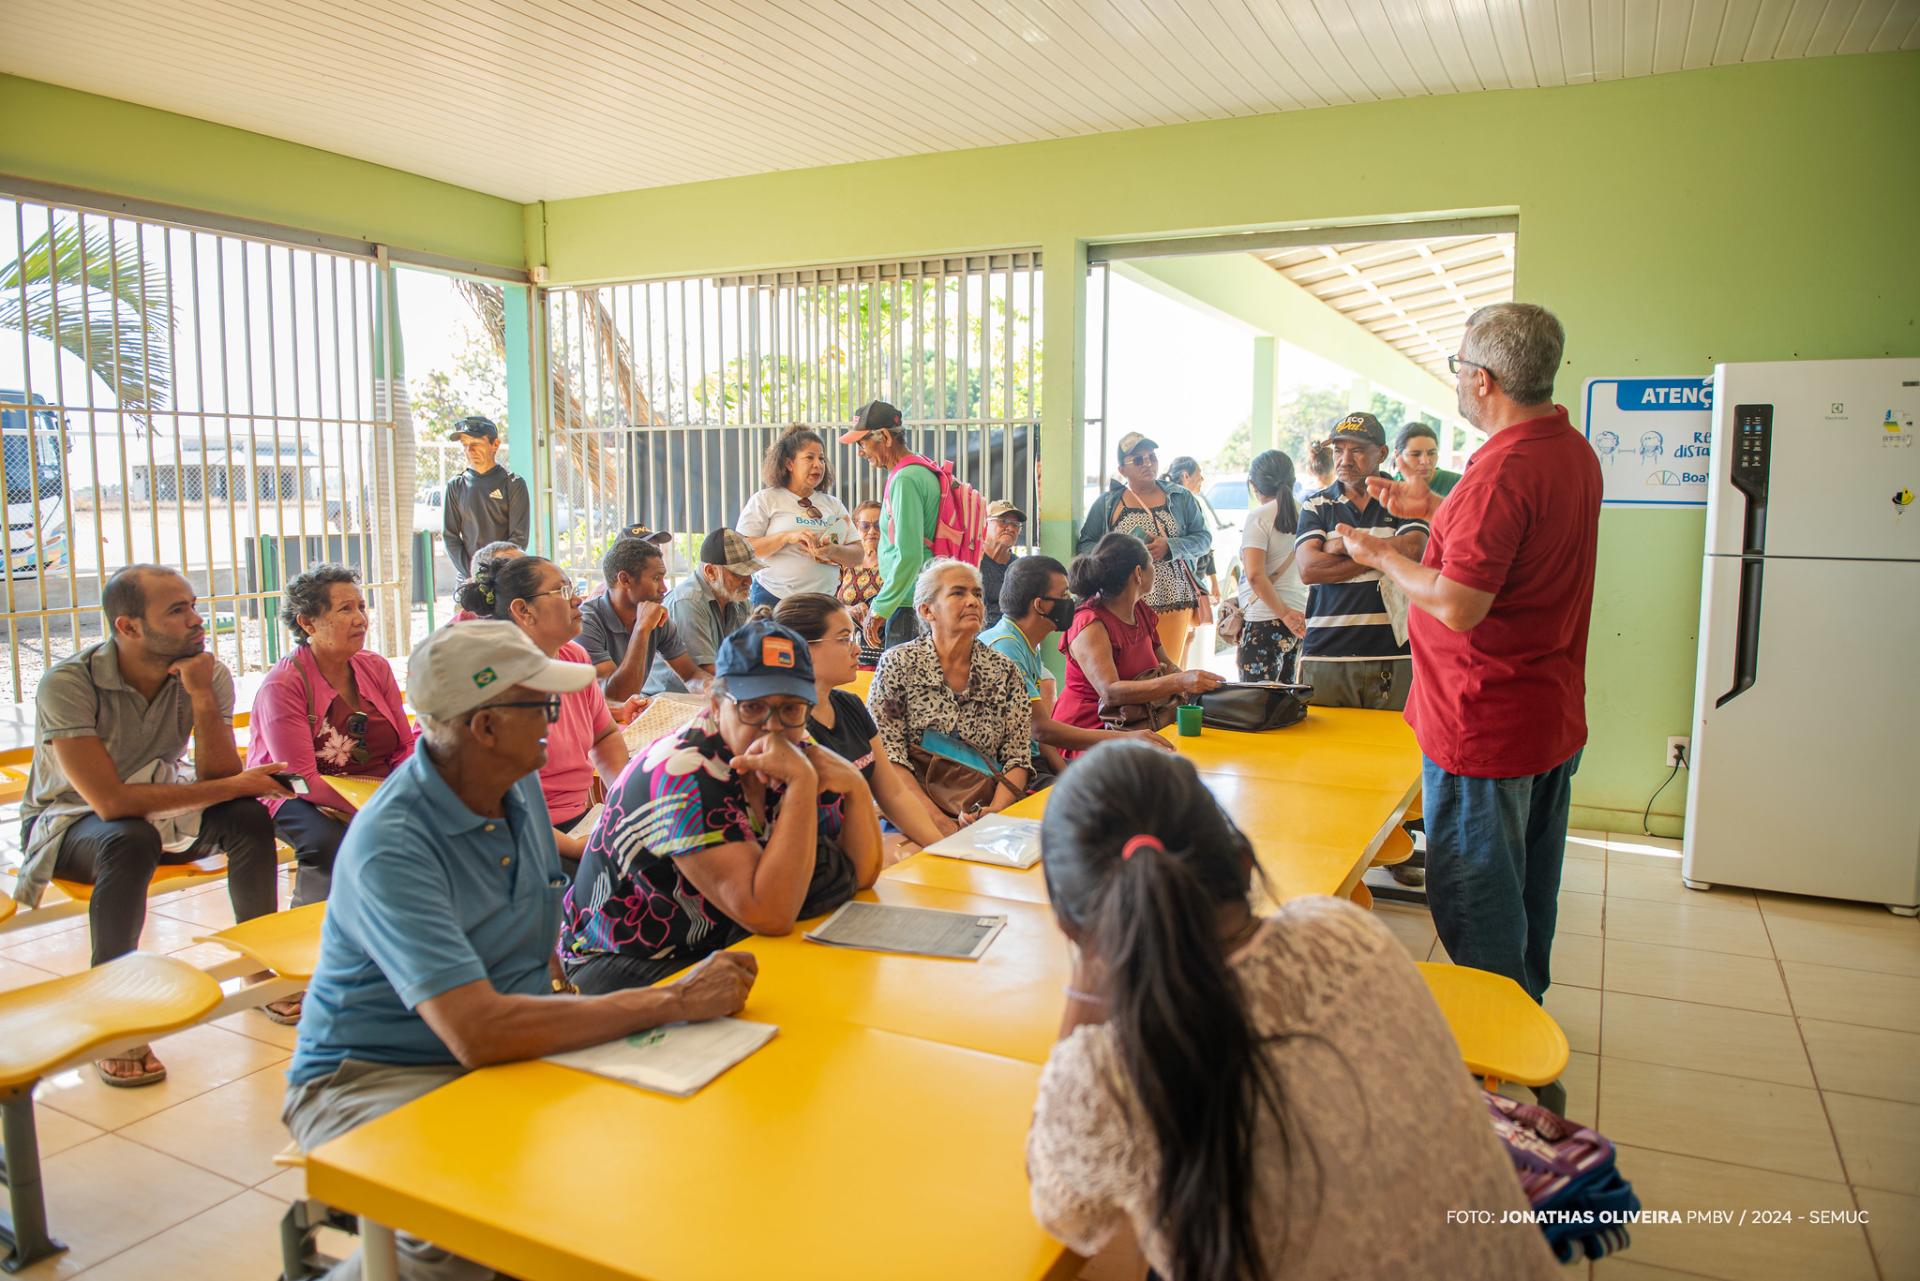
x: 1752, y: 443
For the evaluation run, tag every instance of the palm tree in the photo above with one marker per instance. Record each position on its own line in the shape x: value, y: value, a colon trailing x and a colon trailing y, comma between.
x: 91, y: 293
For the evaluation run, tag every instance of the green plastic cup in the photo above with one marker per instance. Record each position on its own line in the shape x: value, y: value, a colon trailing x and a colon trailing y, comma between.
x: 1188, y: 717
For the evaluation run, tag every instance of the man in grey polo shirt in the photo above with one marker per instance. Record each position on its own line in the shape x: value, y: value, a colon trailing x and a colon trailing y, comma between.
x: 708, y: 604
x: 434, y: 958
x: 110, y: 730
x: 624, y: 627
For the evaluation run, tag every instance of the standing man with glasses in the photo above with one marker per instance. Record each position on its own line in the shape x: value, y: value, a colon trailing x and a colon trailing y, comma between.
x: 486, y: 503
x: 1501, y: 603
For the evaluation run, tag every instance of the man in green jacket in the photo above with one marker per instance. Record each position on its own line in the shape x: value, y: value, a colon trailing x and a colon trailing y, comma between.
x: 909, y: 508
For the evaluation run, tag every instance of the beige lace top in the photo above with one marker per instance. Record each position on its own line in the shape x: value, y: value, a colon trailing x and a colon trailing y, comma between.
x: 1397, y: 1125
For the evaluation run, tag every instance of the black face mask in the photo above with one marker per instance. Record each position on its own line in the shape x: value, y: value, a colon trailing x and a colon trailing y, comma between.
x: 1060, y: 613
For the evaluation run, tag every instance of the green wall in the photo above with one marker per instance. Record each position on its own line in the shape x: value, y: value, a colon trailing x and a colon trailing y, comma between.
x: 77, y: 139
x: 1753, y: 212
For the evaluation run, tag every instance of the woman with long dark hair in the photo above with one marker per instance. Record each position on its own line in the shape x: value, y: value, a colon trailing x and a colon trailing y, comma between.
x: 1272, y: 597
x: 795, y: 524
x: 1117, y: 668
x: 1256, y: 1097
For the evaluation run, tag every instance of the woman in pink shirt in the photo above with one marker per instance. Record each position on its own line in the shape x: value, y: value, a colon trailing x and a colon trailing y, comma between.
x: 1114, y: 656
x: 331, y: 707
x: 533, y: 592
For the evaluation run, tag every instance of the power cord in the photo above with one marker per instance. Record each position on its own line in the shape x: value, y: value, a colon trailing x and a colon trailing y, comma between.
x: 1647, y: 818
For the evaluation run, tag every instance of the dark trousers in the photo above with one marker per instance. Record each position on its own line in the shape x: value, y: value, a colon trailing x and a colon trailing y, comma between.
x: 903, y: 625
x: 1494, y: 850
x: 315, y: 838
x: 119, y: 856
x: 606, y: 972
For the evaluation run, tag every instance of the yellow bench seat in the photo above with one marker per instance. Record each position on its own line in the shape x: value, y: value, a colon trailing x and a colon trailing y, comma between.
x: 287, y: 943
x: 1503, y: 1034
x: 134, y: 998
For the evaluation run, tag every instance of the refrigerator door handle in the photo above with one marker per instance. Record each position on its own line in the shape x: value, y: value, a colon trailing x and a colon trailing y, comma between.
x: 1746, y: 644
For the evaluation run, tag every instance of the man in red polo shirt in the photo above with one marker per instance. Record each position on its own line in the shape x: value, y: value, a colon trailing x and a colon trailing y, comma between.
x: 1501, y: 600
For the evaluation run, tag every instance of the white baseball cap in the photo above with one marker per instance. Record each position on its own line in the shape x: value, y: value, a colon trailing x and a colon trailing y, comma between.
x: 463, y: 665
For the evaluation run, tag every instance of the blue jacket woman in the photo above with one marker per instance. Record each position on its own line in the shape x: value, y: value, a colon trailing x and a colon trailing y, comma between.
x: 1168, y: 519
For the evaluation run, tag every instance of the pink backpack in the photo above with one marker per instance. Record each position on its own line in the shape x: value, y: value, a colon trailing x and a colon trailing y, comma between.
x: 961, y: 526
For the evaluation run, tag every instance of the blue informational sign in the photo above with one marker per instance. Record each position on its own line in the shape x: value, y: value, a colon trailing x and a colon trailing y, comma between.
x: 1653, y: 437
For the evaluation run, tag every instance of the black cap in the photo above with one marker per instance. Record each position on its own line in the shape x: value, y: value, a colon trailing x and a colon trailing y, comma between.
x: 1360, y: 426
x: 659, y: 538
x: 475, y: 426
x: 875, y: 415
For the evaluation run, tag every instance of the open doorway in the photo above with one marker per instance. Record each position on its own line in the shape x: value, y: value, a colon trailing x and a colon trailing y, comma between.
x: 1218, y: 349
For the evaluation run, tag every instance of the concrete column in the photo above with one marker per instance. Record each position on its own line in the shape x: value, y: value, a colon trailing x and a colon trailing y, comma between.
x: 396, y: 473
x: 1265, y: 431
x: 1360, y: 395
x: 530, y: 427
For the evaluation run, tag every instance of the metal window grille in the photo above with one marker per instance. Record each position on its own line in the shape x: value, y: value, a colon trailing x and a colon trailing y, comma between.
x: 204, y: 400
x: 668, y: 392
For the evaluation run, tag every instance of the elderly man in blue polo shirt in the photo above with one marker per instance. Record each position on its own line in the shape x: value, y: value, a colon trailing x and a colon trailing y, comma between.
x: 445, y: 910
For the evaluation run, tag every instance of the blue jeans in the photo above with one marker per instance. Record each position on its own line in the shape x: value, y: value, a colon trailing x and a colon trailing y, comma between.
x: 1494, y: 848
x: 758, y: 595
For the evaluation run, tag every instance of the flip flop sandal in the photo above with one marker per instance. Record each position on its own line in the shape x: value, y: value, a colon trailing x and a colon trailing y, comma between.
x: 285, y: 1019
x: 128, y: 1082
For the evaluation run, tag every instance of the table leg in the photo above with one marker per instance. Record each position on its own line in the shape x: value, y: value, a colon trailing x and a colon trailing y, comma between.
x: 379, y: 1260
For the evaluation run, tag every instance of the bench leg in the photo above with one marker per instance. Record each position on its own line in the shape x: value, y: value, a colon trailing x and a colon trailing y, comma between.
x: 23, y: 1225
x: 379, y: 1253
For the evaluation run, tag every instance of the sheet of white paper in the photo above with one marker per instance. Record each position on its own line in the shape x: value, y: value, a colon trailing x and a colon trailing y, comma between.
x: 677, y: 1059
x: 996, y: 839
x: 918, y: 931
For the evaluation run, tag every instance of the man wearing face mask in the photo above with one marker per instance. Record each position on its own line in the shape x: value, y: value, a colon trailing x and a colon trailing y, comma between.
x: 709, y: 605
x: 1035, y: 604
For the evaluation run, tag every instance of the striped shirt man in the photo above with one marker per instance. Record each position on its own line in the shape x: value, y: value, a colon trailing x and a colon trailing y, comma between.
x: 1348, y: 621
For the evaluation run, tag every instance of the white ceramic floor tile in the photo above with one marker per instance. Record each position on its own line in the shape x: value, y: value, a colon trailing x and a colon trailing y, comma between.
x: 1707, y: 978
x: 56, y: 1131
x: 1852, y: 947
x: 15, y: 974
x: 1735, y: 1251
x: 1583, y: 876
x: 1578, y: 914
x: 1873, y: 1061
x: 71, y: 951
x: 1894, y: 1227
x: 1411, y: 925
x: 1879, y: 1140
x: 234, y: 1130
x: 1834, y: 911
x: 237, y: 1240
x: 1854, y: 996
x: 108, y: 1195
x: 1576, y: 959
x: 1662, y: 885
x: 198, y: 1059
x: 1718, y: 1118
x: 1704, y: 1038
x: 261, y: 1028
x: 1705, y: 929
x: 284, y: 1187
x: 1577, y: 1011
x: 1586, y: 844
x: 209, y: 912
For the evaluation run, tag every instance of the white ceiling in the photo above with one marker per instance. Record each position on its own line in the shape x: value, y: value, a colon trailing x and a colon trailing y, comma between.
x: 543, y: 99
x: 1413, y: 295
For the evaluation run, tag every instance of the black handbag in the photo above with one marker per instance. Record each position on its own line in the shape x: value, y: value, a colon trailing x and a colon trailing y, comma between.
x: 1254, y: 708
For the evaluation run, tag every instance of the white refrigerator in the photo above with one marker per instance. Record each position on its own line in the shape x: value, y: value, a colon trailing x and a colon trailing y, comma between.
x: 1805, y: 770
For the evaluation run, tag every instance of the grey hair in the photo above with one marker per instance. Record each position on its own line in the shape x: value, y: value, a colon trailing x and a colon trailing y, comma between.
x: 925, y: 586
x: 307, y: 596
x: 1520, y: 344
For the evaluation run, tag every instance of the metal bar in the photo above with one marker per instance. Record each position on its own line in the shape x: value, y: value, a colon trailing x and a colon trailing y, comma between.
x: 33, y: 468
x: 200, y: 400
x: 226, y: 398
x: 1327, y: 234
x: 268, y: 639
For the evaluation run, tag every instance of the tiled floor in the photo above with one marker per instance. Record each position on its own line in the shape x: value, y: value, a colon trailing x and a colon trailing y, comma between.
x: 1746, y: 1052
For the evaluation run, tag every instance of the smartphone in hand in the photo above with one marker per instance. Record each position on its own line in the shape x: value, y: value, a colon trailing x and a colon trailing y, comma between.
x: 292, y: 782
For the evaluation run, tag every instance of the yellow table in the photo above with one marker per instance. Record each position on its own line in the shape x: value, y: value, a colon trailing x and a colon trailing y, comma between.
x: 965, y: 877
x: 1008, y: 1002
x: 837, y: 1151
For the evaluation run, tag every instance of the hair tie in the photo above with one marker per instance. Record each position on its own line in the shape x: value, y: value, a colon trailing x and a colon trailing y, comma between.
x: 489, y: 592
x: 1142, y: 842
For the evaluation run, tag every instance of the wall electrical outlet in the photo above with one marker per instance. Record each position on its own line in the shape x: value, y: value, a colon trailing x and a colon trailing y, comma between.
x: 1679, y: 751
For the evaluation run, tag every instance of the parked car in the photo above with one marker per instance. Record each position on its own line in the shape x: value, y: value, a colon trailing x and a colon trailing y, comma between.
x: 1225, y: 500
x: 35, y: 468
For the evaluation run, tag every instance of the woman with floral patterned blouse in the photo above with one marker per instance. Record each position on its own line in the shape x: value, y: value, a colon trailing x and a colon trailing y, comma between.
x: 948, y: 682
x: 861, y: 583
x: 740, y: 824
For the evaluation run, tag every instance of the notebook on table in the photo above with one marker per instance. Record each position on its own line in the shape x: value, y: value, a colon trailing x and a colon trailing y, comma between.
x: 917, y: 931
x: 678, y: 1059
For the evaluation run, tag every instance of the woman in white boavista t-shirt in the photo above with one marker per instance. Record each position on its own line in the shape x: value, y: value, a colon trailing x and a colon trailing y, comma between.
x: 800, y: 530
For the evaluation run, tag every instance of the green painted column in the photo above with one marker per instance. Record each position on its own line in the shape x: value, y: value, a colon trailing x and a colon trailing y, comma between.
x: 1265, y: 432
x: 526, y: 419
x: 1063, y: 401
x: 395, y: 475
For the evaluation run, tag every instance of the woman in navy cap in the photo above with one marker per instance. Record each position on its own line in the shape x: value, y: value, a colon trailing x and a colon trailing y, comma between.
x: 737, y: 825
